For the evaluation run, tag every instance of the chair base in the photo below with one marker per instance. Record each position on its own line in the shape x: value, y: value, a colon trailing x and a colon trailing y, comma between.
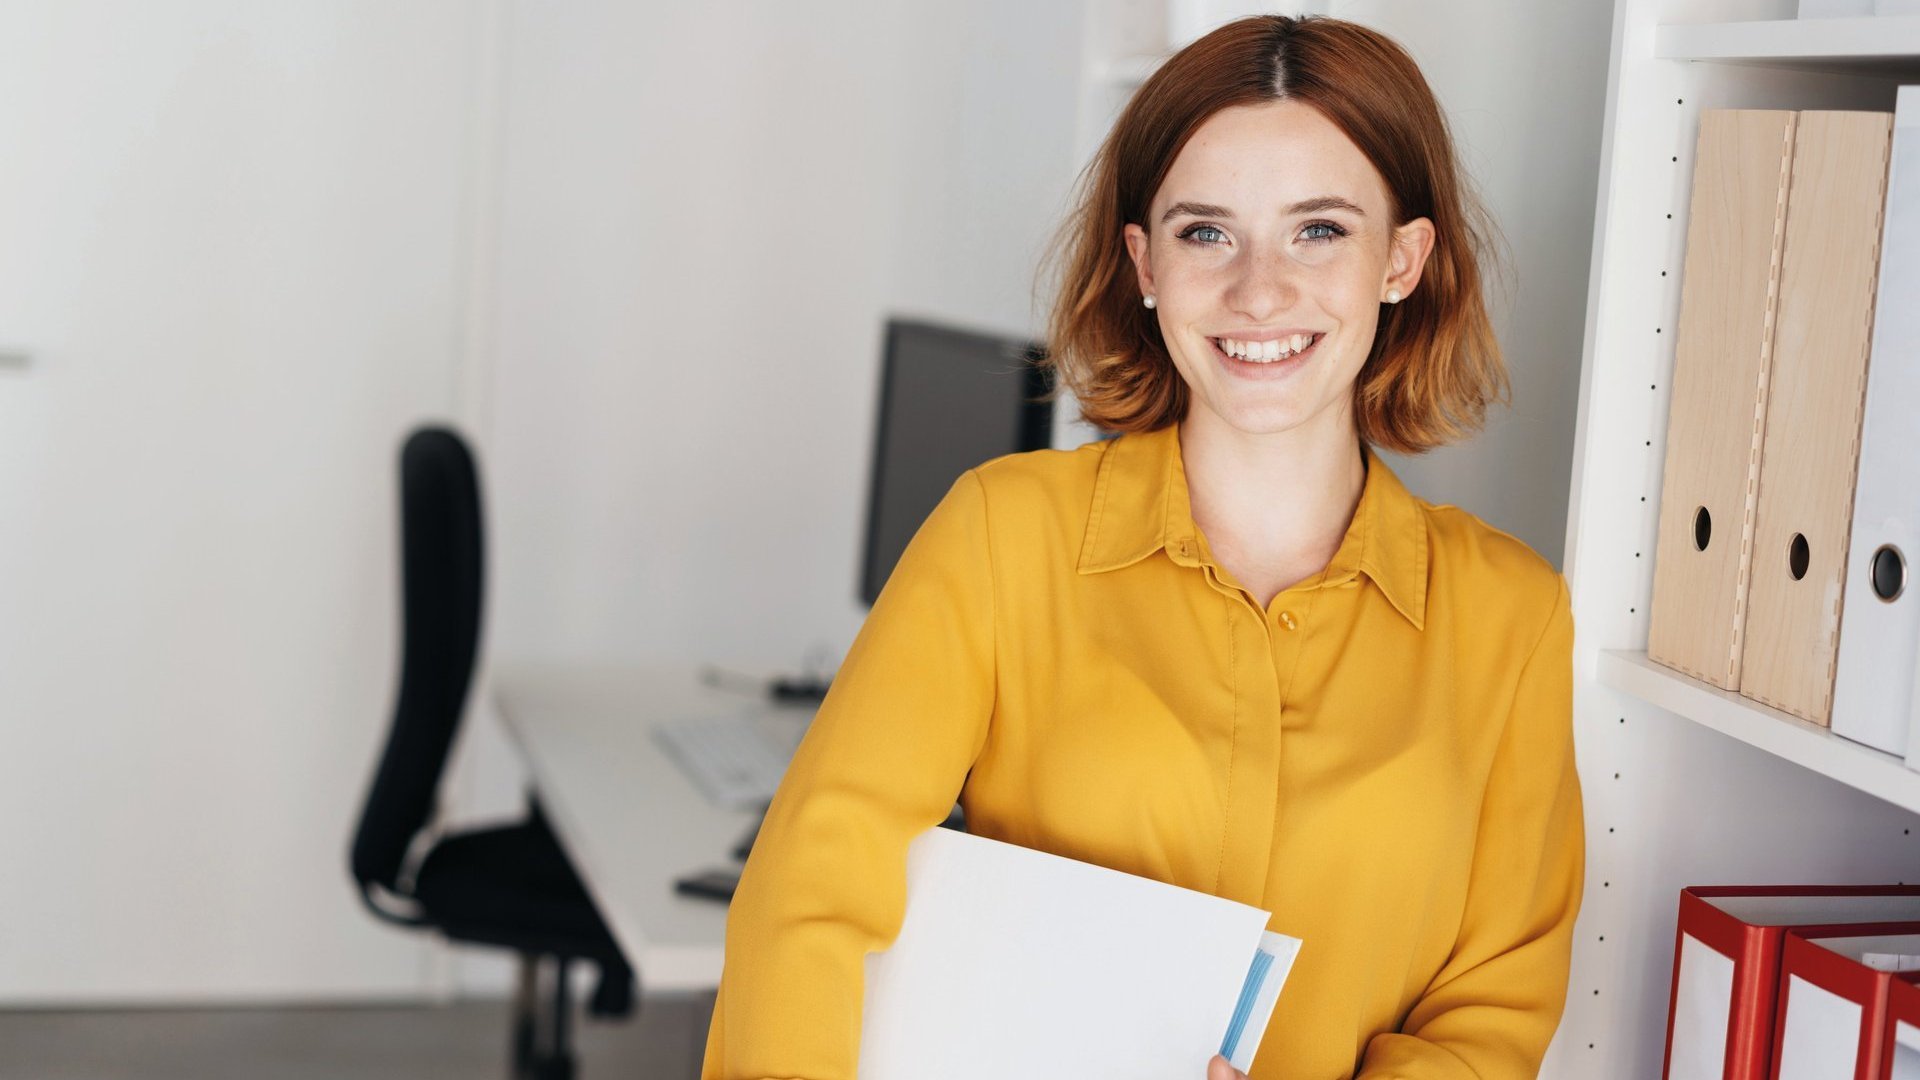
x: 540, y: 1050
x: 541, y: 1045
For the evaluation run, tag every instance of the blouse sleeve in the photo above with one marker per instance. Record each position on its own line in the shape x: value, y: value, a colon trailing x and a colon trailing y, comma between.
x: 882, y: 761
x: 1492, y: 1009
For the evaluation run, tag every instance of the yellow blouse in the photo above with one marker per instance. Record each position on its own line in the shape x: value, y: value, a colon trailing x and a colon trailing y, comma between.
x: 1382, y: 758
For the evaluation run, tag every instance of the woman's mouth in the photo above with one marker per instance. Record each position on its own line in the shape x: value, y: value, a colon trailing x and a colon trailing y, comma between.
x: 1266, y: 358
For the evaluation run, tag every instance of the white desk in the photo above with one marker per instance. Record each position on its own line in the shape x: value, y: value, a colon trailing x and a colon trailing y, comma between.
x: 628, y: 817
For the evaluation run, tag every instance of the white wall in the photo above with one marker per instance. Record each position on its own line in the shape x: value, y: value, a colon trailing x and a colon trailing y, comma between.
x: 706, y: 216
x: 232, y: 238
x: 843, y: 167
x: 644, y: 255
x: 705, y: 213
x: 1524, y: 87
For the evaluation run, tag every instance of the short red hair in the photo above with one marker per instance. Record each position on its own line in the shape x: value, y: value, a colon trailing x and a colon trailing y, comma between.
x: 1435, y: 363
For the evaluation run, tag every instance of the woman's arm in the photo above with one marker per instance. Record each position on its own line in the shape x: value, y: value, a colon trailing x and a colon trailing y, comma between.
x: 1491, y: 1010
x: 882, y: 761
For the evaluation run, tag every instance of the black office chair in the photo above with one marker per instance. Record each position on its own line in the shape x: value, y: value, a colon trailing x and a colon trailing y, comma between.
x: 509, y: 886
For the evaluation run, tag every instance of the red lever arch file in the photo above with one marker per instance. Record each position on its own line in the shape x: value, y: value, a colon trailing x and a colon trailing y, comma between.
x: 1833, y: 1002
x: 1900, y: 1039
x: 1726, y: 965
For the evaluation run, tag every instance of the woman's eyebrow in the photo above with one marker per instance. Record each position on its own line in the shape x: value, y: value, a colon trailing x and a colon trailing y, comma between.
x: 1305, y: 206
x: 1196, y: 209
x: 1325, y: 202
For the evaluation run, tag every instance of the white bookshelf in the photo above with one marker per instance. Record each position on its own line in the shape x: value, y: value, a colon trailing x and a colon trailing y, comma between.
x: 1684, y: 783
x: 1810, y: 746
x: 1866, y: 44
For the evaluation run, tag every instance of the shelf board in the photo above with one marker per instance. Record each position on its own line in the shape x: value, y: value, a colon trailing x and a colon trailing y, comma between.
x: 1863, y: 45
x: 1811, y: 746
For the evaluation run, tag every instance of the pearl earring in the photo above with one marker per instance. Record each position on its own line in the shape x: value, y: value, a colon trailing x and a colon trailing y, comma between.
x: 1393, y: 296
x: 1147, y: 300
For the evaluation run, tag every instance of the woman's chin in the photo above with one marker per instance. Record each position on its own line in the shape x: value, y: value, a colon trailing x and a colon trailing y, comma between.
x: 1261, y: 418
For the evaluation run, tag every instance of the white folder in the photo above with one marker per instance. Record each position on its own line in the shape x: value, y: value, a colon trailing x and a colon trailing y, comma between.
x: 1905, y: 1052
x: 1021, y: 965
x: 1913, y: 725
x: 1874, y: 672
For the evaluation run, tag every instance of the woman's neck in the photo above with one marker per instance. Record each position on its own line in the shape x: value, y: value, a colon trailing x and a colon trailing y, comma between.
x: 1274, y: 508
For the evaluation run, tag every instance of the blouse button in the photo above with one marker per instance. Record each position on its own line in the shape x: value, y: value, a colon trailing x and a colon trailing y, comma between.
x: 1287, y: 620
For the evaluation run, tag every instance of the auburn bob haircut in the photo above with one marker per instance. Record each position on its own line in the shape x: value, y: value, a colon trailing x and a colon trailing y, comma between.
x: 1435, y: 364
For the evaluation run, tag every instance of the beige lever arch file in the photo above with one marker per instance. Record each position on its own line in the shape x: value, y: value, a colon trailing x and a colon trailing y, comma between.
x: 1727, y: 292
x: 1811, y: 445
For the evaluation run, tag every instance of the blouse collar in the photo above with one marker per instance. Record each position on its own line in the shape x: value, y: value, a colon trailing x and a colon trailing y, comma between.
x: 1141, y: 505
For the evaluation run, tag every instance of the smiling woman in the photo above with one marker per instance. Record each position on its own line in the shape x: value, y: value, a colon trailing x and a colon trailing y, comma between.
x: 1316, y: 142
x: 1227, y: 649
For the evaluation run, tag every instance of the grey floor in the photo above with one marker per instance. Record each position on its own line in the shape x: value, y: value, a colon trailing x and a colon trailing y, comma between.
x: 430, y: 1042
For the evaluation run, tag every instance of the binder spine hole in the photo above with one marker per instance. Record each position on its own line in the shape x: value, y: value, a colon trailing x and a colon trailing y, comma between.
x: 1797, y: 557
x: 1889, y: 573
x: 1702, y: 528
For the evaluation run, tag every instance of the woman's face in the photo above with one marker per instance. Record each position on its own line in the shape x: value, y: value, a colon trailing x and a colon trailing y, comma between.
x: 1270, y: 228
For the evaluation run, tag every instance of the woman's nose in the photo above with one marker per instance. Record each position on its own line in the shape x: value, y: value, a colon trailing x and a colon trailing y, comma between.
x: 1265, y: 284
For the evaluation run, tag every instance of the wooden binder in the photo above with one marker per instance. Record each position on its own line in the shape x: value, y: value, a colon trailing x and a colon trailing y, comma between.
x: 1811, y: 446
x: 1722, y: 352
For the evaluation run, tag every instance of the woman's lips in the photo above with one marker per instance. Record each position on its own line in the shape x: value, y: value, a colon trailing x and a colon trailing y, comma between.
x: 1269, y: 369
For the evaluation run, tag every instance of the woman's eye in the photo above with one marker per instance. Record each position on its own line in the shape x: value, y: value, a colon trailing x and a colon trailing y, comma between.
x: 1192, y: 231
x: 1333, y: 231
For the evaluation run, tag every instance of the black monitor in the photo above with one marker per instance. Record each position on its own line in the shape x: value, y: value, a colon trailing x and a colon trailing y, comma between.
x: 949, y: 400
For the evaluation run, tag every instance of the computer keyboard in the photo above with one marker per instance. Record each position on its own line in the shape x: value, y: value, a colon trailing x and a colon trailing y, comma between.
x: 730, y: 758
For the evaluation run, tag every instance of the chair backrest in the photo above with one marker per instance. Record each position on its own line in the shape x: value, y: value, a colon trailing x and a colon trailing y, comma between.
x: 441, y: 574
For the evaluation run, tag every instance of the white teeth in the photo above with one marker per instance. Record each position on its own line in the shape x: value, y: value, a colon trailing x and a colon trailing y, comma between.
x: 1262, y: 352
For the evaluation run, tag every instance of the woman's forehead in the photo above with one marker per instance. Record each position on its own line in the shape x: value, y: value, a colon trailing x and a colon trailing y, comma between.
x: 1263, y: 158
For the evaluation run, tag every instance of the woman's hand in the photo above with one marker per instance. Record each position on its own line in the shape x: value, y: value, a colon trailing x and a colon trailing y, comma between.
x: 1218, y: 1069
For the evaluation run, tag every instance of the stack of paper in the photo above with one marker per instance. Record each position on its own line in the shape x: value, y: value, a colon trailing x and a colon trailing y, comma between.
x: 1013, y: 963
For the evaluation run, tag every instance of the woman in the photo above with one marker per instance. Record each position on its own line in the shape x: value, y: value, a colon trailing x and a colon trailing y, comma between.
x: 1227, y: 649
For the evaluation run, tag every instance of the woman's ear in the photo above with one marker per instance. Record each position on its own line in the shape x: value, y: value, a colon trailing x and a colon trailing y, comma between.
x: 1136, y: 238
x: 1407, y: 256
